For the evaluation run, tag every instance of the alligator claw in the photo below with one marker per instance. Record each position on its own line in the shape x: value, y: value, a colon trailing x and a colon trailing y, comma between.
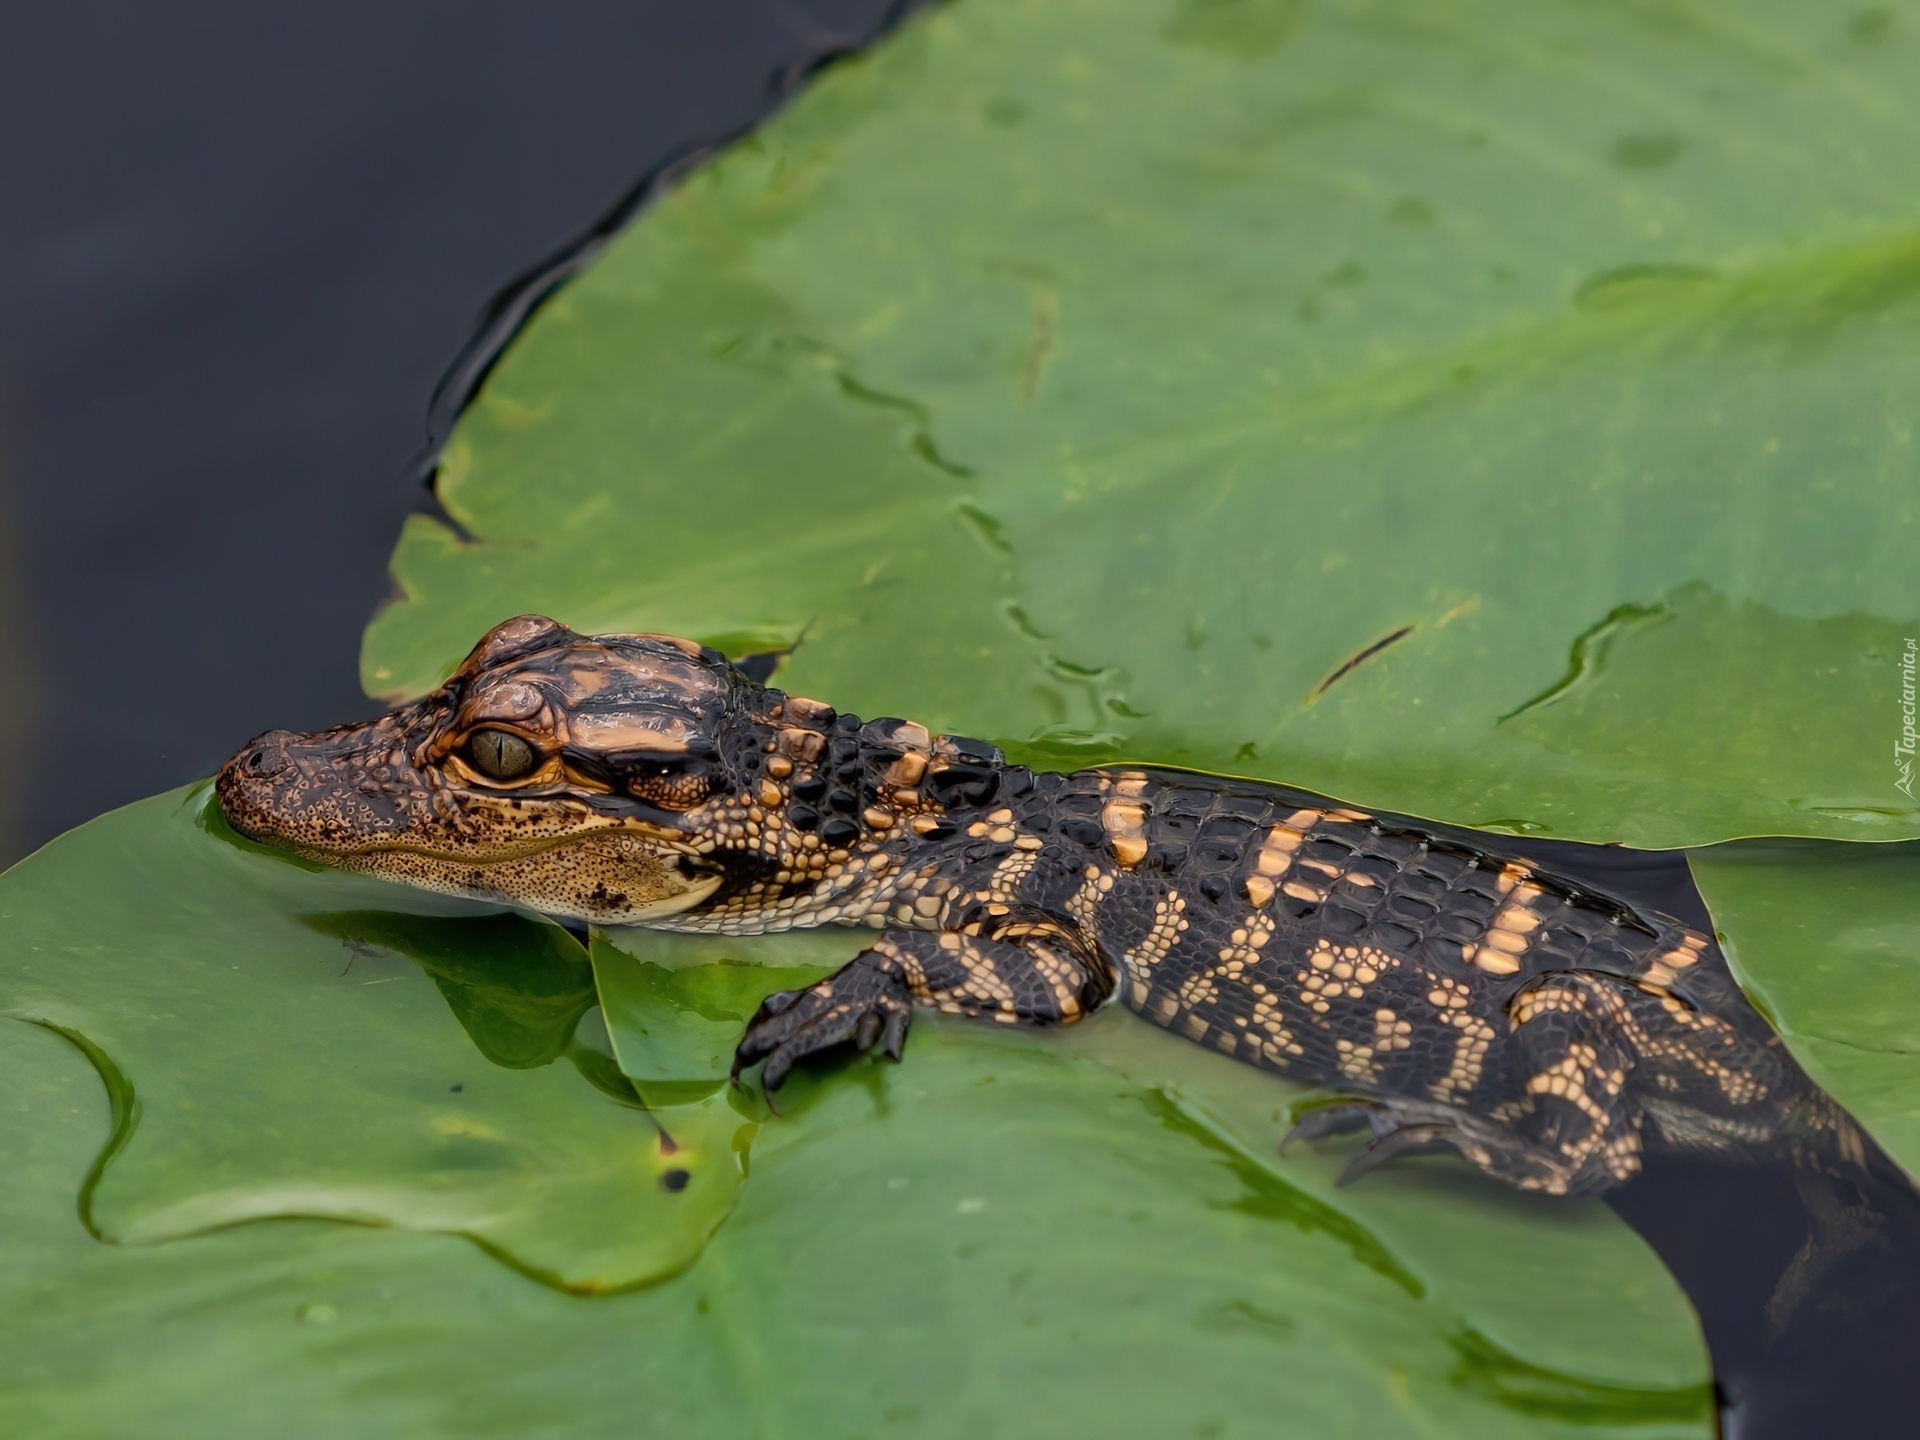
x: 1323, y: 1121
x: 1393, y: 1134
x: 1407, y: 1140
x: 778, y: 1001
x: 862, y: 1005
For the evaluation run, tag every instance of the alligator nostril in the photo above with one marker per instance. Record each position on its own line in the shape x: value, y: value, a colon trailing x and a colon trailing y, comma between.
x: 263, y: 762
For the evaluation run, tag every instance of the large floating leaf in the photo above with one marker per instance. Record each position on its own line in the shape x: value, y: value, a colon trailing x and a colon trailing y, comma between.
x: 1040, y: 1244
x: 1511, y: 1258
x: 1496, y: 412
x: 280, y: 1047
x: 1826, y: 939
x: 1008, y: 1234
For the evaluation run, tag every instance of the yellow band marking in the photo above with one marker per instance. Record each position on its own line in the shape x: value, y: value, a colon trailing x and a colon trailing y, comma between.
x: 1125, y: 823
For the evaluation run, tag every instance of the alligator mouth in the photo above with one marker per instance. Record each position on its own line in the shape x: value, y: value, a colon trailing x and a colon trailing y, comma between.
x: 687, y: 899
x: 668, y: 847
x: 610, y: 876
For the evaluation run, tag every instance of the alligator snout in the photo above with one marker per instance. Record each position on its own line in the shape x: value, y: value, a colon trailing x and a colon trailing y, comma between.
x: 285, y: 787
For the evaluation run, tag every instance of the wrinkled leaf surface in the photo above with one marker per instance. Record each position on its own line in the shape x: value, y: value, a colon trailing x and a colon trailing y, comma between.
x: 1493, y: 412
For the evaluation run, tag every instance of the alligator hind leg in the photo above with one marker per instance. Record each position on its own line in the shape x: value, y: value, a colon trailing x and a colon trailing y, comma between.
x: 1577, y: 1041
x: 1570, y: 1128
x: 1031, y: 971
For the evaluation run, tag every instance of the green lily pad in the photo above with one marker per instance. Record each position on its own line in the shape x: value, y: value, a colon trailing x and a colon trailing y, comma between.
x: 279, y: 1047
x: 301, y: 1328
x: 1508, y: 1259
x: 1404, y: 406
x: 1502, y: 1262
x: 676, y: 1005
x: 1826, y: 940
x: 1029, y: 1233
x: 1044, y: 1245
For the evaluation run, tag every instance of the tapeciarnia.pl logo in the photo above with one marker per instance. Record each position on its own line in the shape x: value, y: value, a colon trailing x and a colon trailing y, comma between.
x: 1903, y: 747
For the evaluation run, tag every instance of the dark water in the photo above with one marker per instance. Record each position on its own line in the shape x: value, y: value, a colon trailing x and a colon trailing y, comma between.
x: 240, y: 245
x: 1807, y: 1286
x: 251, y: 261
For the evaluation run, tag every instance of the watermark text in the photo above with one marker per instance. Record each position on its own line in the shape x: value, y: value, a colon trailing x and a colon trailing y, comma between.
x: 1903, y: 747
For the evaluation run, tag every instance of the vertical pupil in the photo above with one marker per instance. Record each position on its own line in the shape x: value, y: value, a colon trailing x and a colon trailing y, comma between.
x: 501, y: 755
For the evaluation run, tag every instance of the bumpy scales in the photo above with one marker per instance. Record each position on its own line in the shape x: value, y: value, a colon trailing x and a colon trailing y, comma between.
x: 1459, y: 997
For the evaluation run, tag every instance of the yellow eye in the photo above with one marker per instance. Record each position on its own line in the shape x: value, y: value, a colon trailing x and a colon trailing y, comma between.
x: 498, y: 755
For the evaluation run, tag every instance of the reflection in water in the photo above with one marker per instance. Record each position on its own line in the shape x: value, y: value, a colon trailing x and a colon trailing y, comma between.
x: 1806, y: 1280
x: 1807, y: 1286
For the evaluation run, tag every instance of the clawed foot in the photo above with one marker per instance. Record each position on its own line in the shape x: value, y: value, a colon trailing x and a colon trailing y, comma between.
x: 861, y: 1004
x: 1394, y: 1134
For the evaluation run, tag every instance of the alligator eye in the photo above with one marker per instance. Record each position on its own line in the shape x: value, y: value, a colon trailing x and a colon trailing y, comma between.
x: 500, y: 756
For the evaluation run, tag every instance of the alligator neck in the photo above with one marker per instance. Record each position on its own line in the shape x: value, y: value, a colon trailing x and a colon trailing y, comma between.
x: 851, y: 781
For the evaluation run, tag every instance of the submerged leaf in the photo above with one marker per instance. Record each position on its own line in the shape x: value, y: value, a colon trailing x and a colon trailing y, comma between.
x: 1489, y: 1369
x: 676, y: 1004
x: 518, y: 989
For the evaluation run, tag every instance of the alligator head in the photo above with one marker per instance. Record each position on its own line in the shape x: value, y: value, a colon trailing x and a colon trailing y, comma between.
x: 579, y: 776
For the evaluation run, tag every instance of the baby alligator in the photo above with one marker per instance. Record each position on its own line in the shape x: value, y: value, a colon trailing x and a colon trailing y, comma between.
x: 1459, y: 997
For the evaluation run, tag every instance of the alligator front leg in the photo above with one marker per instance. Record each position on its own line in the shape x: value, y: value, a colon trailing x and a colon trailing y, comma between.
x: 1026, y: 971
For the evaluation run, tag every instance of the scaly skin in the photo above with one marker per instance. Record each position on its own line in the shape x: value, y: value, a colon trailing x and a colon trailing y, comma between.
x: 1459, y: 996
